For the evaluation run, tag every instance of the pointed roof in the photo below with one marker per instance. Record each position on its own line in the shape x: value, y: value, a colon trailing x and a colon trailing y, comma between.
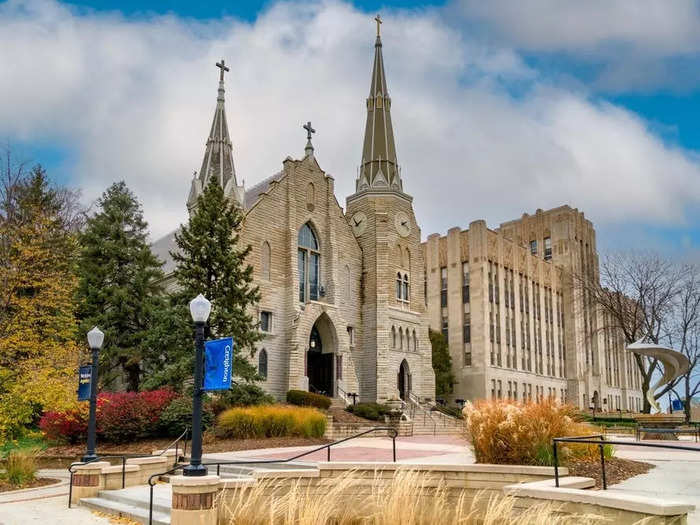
x: 379, y: 168
x: 218, y: 155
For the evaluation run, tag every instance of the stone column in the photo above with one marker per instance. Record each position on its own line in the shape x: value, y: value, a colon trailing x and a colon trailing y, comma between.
x: 87, y: 480
x: 193, y: 500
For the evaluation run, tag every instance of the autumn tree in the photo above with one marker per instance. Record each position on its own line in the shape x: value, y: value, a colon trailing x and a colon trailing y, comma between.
x: 119, y: 285
x: 38, y: 353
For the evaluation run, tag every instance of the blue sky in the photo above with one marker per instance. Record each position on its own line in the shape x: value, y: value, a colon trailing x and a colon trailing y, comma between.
x: 500, y: 107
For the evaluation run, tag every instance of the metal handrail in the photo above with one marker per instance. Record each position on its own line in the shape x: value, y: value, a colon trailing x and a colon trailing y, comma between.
x: 394, y: 435
x: 123, y: 457
x: 599, y: 439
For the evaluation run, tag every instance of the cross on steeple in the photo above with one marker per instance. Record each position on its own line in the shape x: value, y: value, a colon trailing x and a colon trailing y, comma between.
x: 309, y: 130
x: 222, y: 66
x: 378, y: 19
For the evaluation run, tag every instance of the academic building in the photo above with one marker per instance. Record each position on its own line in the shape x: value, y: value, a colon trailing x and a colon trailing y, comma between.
x: 518, y: 322
x: 348, y: 294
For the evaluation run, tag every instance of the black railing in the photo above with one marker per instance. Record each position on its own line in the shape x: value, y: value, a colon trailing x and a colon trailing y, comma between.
x: 151, y: 480
x: 600, y: 441
x: 123, y: 457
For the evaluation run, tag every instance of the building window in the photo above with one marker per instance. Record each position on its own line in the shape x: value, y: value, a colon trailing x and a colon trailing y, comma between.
x: 339, y: 367
x: 262, y: 363
x: 265, y: 260
x: 393, y: 337
x: 444, y: 327
x: 533, y: 247
x: 465, y: 283
x: 467, y: 335
x: 309, y: 264
x: 467, y: 357
x: 266, y: 321
x: 398, y: 286
x: 443, y: 287
x: 415, y: 342
x: 405, y: 287
x: 351, y: 335
x: 547, y: 248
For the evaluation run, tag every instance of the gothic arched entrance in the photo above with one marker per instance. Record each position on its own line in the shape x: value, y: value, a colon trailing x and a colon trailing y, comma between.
x: 403, y: 380
x: 320, y: 357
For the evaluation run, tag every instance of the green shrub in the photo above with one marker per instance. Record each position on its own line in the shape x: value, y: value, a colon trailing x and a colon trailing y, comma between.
x: 373, y: 411
x: 20, y: 466
x: 270, y: 421
x: 243, y: 395
x: 177, y: 416
x: 308, y: 399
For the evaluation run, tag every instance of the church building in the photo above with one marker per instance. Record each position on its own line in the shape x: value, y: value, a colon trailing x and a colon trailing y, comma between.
x: 342, y: 303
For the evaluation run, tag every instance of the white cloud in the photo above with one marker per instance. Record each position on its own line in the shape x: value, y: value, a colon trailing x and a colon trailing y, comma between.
x: 134, y: 99
x: 658, y: 27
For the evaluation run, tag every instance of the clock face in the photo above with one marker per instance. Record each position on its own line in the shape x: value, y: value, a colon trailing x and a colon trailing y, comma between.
x: 358, y: 222
x: 402, y: 224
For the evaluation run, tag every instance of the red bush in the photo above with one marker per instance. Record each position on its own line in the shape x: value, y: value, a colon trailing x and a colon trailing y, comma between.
x: 121, y: 416
x: 70, y: 425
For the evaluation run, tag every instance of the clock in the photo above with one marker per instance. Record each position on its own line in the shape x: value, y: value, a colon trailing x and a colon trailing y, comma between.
x: 358, y: 223
x: 402, y: 224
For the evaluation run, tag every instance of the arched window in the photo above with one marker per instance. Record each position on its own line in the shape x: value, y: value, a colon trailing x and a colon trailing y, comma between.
x: 400, y: 338
x: 309, y: 260
x: 262, y: 363
x: 405, y: 287
x: 398, y: 286
x: 265, y: 260
x: 393, y: 337
x: 415, y: 342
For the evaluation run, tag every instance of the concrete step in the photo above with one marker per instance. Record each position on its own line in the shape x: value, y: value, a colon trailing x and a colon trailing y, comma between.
x: 132, y: 503
x: 138, y: 513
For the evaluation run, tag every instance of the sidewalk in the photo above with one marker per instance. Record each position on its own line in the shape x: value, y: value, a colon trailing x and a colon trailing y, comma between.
x: 45, y: 505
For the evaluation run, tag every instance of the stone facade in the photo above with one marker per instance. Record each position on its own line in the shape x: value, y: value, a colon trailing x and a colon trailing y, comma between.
x: 328, y: 308
x: 518, y: 323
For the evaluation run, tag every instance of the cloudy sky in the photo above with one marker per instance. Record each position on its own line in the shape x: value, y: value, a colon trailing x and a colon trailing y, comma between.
x: 500, y: 107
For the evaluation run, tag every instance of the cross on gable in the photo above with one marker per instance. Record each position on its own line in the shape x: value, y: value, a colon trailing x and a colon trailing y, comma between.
x: 378, y: 19
x: 309, y: 130
x: 222, y: 66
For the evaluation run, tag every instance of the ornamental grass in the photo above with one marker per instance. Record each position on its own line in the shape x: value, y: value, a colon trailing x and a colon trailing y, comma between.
x: 406, y: 499
x: 270, y: 421
x: 20, y: 466
x: 514, y: 433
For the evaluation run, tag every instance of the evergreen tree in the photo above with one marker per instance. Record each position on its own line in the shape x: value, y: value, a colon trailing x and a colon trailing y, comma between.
x: 38, y: 354
x: 442, y: 364
x: 120, y: 285
x: 210, y: 261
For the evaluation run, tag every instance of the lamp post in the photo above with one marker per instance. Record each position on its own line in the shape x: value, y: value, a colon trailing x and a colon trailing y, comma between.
x: 95, y: 338
x: 199, y: 309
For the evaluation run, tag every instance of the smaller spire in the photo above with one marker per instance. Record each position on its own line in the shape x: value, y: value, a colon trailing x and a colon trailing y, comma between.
x: 309, y: 149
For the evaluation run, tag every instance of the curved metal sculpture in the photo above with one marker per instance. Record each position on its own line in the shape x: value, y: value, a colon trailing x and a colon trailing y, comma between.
x: 675, y: 364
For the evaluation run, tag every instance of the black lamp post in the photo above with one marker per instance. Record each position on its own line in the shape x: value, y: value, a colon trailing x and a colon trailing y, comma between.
x: 95, y: 338
x: 199, y: 309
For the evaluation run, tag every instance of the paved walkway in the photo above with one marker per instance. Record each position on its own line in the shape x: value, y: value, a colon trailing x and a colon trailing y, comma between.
x: 675, y: 477
x: 45, y: 505
x: 423, y: 449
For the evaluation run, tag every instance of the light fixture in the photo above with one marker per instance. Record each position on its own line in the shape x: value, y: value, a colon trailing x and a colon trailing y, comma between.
x: 200, y: 308
x: 95, y: 338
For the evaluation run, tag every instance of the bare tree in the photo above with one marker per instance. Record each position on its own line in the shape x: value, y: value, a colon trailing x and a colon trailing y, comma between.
x: 638, y: 295
x: 685, y: 334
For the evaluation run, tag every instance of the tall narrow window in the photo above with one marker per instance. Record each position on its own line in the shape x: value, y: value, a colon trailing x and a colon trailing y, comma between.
x: 465, y: 283
x: 405, y: 287
x: 415, y: 342
x: 393, y: 337
x: 262, y: 363
x: 310, y: 197
x: 547, y: 248
x: 444, y: 327
x: 443, y: 287
x: 265, y: 261
x: 399, y: 281
x: 266, y: 321
x: 533, y: 247
x: 309, y: 264
x: 400, y: 338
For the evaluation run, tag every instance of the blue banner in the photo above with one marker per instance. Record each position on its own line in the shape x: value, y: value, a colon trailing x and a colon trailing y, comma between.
x: 218, y: 364
x: 84, y: 378
x: 677, y: 404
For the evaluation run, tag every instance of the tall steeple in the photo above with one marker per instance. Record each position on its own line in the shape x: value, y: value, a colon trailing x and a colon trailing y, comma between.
x: 218, y: 155
x: 379, y: 169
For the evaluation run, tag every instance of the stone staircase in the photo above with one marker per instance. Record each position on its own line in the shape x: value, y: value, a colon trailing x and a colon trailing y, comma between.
x: 132, y: 502
x: 432, y: 423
